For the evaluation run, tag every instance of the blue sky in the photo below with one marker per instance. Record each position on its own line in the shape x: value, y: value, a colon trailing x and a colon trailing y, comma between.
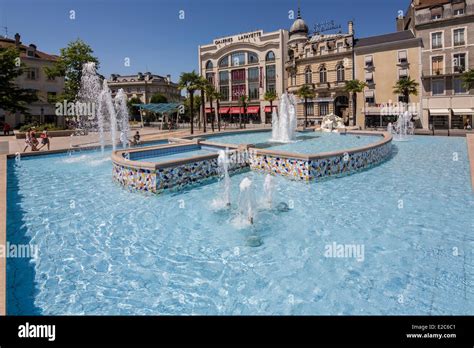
x: 155, y: 39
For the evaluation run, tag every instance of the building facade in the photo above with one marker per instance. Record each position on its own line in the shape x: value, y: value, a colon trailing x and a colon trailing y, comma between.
x: 34, y: 78
x: 249, y: 64
x: 380, y: 62
x: 325, y: 63
x: 144, y: 86
x: 446, y: 28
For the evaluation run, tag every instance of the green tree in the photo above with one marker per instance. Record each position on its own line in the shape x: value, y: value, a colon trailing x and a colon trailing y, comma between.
x: 69, y: 65
x: 189, y: 82
x: 210, y: 92
x: 406, y: 87
x: 270, y: 96
x: 305, y: 92
x: 468, y: 79
x: 353, y: 87
x: 242, y: 105
x: 158, y: 98
x: 218, y: 98
x: 134, y: 110
x: 203, y: 83
x: 13, y: 98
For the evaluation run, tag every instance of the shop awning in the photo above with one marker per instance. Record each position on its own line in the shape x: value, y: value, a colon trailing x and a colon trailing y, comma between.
x: 463, y: 111
x: 268, y: 108
x: 224, y: 110
x: 253, y: 109
x: 208, y: 110
x: 236, y: 110
x: 444, y: 112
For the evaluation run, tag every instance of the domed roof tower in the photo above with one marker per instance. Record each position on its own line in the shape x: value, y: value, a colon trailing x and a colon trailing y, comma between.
x: 299, y: 30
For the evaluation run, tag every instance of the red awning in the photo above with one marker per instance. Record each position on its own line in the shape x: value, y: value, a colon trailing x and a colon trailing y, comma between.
x: 269, y: 109
x: 236, y: 110
x: 223, y: 110
x: 208, y: 110
x: 253, y: 109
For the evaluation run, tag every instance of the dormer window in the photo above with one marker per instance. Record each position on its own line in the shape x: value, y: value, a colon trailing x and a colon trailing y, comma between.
x: 30, y: 53
x: 437, y: 13
x: 459, y: 7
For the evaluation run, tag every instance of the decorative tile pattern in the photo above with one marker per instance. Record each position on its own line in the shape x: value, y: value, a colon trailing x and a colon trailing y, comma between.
x: 186, y: 174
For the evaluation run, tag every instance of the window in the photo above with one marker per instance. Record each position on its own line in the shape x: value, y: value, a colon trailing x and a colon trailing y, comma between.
x: 369, y: 77
x: 309, y: 109
x: 458, y: 86
x: 340, y: 46
x: 370, y: 97
x: 30, y: 53
x: 224, y: 62
x: 437, y: 13
x: 238, y: 76
x: 458, y: 11
x: 270, y: 75
x: 322, y: 49
x: 369, y: 61
x: 436, y: 40
x: 402, y: 57
x: 459, y: 62
x: 340, y: 73
x: 458, y: 37
x: 437, y: 65
x: 308, y: 76
x: 323, y: 109
x: 293, y: 78
x: 403, y: 73
x: 253, y: 74
x: 223, y: 77
x: 238, y: 58
x: 31, y: 73
x: 252, y: 58
x: 323, y: 77
x: 238, y: 91
x: 51, y: 97
x: 270, y: 57
x: 437, y: 87
x: 209, y: 65
x: 224, y: 91
x: 210, y: 78
x: 253, y: 90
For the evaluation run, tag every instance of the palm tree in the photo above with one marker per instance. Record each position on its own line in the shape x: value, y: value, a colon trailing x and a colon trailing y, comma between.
x: 406, y: 87
x: 189, y: 82
x: 218, y: 98
x: 468, y: 79
x: 354, y: 87
x: 305, y: 92
x: 271, y: 97
x: 203, y: 83
x: 210, y: 91
x: 242, y: 105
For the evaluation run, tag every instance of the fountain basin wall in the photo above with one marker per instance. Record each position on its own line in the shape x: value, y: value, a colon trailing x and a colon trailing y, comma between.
x: 318, y: 166
x: 141, y: 175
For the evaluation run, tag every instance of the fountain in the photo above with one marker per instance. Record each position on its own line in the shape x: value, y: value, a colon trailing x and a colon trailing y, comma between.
x: 403, y: 129
x: 103, y: 114
x: 121, y: 108
x: 331, y: 123
x: 247, y: 200
x: 223, y: 170
x: 284, y: 122
x: 268, y: 189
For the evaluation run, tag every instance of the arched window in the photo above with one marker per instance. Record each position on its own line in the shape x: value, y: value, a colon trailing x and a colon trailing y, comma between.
x: 252, y: 58
x: 293, y: 78
x: 340, y: 73
x: 308, y: 76
x: 323, y: 76
x: 270, y: 57
x: 209, y: 65
x: 224, y: 62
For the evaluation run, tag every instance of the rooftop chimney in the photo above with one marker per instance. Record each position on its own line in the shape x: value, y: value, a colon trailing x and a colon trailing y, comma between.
x: 168, y: 78
x: 351, y: 28
x: 17, y: 39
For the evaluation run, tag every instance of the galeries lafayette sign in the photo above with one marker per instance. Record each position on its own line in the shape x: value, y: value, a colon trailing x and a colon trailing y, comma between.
x: 237, y: 38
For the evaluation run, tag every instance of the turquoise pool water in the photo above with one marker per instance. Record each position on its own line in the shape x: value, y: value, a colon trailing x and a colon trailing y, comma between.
x: 104, y: 250
x: 175, y: 156
x: 306, y: 142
